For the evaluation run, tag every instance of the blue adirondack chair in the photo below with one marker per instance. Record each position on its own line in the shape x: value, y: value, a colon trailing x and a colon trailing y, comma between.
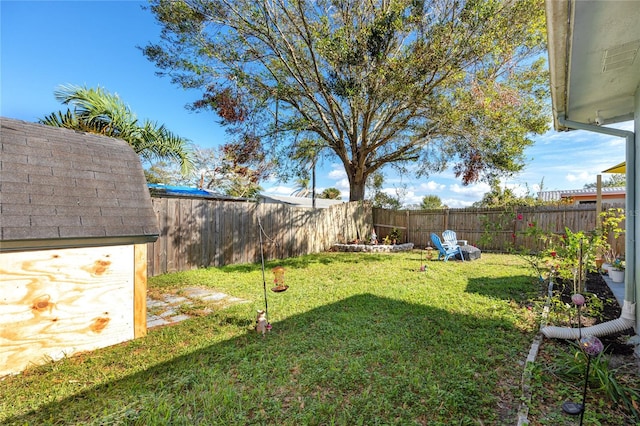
x: 445, y: 252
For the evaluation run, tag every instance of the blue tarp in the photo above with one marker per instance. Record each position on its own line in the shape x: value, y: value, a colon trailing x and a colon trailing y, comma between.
x: 181, y: 190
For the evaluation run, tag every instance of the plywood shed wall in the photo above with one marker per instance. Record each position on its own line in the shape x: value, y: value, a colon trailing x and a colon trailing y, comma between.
x: 75, y: 217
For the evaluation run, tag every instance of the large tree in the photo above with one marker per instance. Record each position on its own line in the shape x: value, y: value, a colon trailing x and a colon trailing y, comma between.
x: 96, y: 110
x: 407, y: 83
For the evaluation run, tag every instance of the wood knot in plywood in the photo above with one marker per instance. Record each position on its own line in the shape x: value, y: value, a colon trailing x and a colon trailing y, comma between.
x: 42, y: 303
x: 99, y: 324
x: 99, y: 267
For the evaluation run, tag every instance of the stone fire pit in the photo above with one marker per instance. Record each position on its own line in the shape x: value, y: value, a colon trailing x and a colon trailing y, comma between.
x: 374, y: 248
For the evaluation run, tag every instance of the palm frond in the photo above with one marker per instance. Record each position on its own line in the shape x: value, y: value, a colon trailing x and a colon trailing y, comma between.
x: 95, y: 110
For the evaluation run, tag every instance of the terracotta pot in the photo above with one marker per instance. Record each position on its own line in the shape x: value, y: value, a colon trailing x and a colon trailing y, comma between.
x: 599, y: 262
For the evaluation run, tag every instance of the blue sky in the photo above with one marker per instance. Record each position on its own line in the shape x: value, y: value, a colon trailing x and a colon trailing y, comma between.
x: 44, y: 44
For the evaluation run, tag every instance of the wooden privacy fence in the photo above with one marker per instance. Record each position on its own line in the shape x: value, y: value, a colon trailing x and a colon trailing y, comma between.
x: 489, y: 229
x: 201, y: 232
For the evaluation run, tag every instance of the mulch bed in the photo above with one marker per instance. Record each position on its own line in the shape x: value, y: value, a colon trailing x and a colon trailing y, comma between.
x: 614, y: 343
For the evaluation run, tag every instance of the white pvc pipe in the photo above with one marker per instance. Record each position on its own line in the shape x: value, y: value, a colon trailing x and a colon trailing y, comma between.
x: 627, y: 320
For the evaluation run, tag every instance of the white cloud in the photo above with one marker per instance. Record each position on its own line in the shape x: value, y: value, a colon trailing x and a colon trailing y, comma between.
x: 432, y: 186
x: 455, y: 203
x: 581, y: 177
x: 342, y: 185
x: 470, y: 190
x: 337, y: 172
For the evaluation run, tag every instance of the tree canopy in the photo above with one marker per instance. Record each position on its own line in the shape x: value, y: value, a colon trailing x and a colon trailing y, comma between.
x: 381, y: 198
x: 431, y: 202
x: 498, y: 196
x: 419, y: 85
x: 96, y: 110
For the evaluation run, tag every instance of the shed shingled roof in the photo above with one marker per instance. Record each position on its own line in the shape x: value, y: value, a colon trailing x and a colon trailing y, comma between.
x: 60, y: 188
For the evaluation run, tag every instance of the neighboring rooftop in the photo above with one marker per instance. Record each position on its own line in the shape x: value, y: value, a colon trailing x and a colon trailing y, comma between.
x: 63, y: 188
x: 572, y: 193
x: 321, y: 203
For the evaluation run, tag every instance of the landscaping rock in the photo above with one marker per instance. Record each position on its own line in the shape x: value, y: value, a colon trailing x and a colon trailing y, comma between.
x: 373, y: 248
x: 469, y: 253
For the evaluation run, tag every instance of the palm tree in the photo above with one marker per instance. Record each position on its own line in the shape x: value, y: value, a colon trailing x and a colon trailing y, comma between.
x: 302, y: 188
x: 331, y: 194
x: 308, y: 150
x: 98, y: 111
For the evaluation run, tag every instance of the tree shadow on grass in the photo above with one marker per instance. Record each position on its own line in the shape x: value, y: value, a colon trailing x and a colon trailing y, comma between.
x: 365, y: 359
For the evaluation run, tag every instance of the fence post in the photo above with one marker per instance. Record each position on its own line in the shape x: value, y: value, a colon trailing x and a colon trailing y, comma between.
x: 445, y: 219
x: 406, y: 225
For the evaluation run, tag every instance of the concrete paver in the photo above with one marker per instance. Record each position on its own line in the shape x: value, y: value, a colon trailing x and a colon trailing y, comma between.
x: 165, y: 311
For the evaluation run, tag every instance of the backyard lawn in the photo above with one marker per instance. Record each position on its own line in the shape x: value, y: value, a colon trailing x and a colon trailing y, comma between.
x: 358, y: 338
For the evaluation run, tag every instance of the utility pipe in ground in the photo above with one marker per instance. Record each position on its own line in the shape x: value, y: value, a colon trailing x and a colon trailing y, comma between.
x: 626, y: 321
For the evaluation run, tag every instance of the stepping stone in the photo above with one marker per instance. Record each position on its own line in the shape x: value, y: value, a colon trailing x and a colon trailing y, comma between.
x: 195, y: 292
x: 175, y: 300
x: 155, y: 321
x: 169, y: 312
x: 152, y: 303
x: 169, y: 305
x: 179, y: 318
x: 214, y: 296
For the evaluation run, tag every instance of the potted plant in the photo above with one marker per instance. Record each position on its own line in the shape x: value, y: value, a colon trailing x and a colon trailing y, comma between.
x: 609, y: 228
x: 609, y: 257
x: 616, y: 273
x: 395, y: 236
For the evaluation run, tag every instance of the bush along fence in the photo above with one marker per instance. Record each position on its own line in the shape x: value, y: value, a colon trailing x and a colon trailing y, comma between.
x: 495, y: 229
x: 198, y: 232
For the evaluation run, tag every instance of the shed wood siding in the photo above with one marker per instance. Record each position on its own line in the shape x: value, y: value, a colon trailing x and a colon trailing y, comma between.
x: 55, y: 303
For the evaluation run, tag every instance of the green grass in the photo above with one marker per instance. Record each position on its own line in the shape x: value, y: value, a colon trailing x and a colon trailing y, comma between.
x: 357, y: 339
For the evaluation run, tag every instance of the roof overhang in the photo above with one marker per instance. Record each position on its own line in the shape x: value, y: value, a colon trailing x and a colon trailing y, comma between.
x: 66, y: 243
x: 594, y: 49
x: 618, y: 168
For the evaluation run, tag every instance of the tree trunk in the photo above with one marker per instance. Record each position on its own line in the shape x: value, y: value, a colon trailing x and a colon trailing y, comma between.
x: 357, y: 177
x: 356, y: 191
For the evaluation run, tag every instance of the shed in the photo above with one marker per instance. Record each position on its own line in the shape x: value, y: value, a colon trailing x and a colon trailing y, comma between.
x: 75, y: 217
